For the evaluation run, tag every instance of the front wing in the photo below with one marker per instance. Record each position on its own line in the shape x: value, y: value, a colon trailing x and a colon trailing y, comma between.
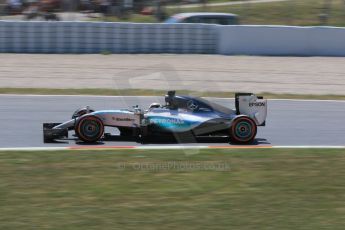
x: 50, y: 133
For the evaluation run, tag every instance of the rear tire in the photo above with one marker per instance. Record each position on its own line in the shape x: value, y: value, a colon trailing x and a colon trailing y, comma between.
x: 243, y: 130
x: 89, y: 128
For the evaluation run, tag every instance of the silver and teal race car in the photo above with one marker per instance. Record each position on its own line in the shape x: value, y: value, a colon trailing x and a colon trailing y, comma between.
x: 180, y: 117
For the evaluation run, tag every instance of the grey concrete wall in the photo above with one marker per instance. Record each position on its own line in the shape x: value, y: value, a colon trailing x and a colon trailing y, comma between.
x: 99, y: 37
x: 281, y: 41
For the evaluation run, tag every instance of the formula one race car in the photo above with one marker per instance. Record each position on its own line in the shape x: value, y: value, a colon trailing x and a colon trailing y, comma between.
x: 180, y: 116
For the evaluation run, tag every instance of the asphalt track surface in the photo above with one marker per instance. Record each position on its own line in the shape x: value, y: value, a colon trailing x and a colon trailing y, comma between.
x: 289, y: 122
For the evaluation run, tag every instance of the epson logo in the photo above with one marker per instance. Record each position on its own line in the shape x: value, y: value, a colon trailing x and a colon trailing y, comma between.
x: 257, y: 104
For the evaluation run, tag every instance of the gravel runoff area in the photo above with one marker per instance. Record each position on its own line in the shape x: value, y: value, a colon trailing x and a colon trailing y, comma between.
x: 300, y: 75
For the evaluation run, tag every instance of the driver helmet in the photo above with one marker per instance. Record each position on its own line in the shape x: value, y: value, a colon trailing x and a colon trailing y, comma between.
x: 155, y: 105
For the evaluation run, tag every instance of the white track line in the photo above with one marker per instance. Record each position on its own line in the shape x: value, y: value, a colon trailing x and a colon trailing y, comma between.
x: 310, y: 147
x: 34, y: 149
x: 169, y: 147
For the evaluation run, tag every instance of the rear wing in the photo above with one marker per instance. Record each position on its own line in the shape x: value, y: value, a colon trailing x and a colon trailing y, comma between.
x: 253, y: 106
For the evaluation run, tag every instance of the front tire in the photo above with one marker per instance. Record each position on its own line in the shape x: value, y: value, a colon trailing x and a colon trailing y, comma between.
x: 243, y: 130
x: 89, y: 128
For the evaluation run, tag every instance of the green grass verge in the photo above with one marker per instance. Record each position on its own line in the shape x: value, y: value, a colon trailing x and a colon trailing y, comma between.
x: 260, y: 189
x: 147, y: 92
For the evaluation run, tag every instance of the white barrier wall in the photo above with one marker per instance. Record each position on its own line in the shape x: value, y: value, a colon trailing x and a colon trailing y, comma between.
x: 98, y: 37
x: 281, y: 40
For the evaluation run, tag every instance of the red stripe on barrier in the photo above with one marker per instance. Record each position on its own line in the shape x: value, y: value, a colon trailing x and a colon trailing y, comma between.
x: 165, y: 147
x: 240, y: 147
x: 100, y: 147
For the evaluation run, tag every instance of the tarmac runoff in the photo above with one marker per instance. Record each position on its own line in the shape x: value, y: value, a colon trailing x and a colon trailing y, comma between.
x: 292, y: 75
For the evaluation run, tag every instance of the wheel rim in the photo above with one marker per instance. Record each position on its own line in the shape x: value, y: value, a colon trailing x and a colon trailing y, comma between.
x: 243, y: 130
x: 90, y: 129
